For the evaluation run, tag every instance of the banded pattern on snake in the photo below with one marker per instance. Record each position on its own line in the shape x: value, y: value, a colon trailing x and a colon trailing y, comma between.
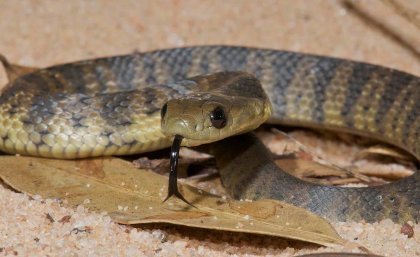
x: 105, y: 107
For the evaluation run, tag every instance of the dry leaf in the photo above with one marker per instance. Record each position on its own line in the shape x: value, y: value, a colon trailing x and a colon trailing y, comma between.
x: 321, y: 174
x: 132, y: 196
x: 382, y: 150
x: 306, y: 153
x: 306, y: 168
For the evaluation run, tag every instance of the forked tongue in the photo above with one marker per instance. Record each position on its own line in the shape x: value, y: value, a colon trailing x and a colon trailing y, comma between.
x: 173, y: 173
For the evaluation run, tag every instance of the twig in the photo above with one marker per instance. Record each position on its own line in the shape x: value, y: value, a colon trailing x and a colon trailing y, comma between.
x: 408, y: 14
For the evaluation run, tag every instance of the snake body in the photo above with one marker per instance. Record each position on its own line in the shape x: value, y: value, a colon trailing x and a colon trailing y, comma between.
x: 103, y: 107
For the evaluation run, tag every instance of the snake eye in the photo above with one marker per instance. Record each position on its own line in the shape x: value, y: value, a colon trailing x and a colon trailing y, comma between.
x: 218, y: 117
x: 163, y: 111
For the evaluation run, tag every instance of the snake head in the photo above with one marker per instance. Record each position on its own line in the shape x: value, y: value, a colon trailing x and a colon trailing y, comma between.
x: 224, y: 107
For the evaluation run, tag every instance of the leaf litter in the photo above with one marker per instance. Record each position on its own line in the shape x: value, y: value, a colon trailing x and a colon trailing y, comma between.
x: 132, y: 196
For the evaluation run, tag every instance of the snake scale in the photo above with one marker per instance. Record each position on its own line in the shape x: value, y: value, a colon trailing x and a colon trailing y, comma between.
x: 106, y: 107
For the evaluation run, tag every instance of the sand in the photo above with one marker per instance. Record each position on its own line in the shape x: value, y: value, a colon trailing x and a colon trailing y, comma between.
x: 43, y: 33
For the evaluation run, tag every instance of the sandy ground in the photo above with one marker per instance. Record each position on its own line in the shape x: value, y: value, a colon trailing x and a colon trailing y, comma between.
x: 42, y: 33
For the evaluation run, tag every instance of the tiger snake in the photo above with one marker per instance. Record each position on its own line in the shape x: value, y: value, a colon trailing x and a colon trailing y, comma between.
x: 145, y: 101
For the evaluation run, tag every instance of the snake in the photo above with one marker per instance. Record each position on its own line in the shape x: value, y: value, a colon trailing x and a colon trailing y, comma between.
x: 216, y: 95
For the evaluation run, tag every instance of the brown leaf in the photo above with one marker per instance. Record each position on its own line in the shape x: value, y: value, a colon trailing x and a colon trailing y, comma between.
x: 132, y: 196
x: 382, y: 150
x: 151, y: 164
x: 321, y: 174
x: 305, y: 168
x: 306, y: 153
